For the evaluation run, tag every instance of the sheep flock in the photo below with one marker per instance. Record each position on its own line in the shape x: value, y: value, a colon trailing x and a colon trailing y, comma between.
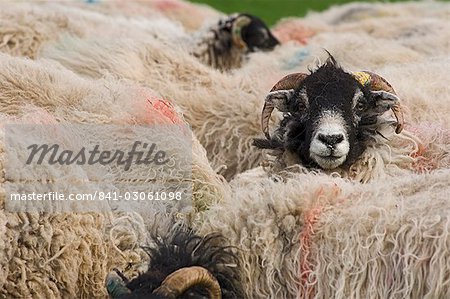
x: 379, y: 228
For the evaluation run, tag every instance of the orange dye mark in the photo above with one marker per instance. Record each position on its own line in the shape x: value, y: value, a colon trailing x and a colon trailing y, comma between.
x: 167, y: 109
x: 165, y: 5
x: 306, y: 289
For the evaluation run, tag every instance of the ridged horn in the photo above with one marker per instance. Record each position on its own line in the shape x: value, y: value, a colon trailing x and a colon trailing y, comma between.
x: 378, y: 83
x: 181, y: 280
x: 288, y: 82
x: 236, y: 30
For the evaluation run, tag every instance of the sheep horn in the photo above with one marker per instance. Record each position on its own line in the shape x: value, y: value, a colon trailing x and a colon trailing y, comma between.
x: 377, y: 83
x: 115, y: 285
x: 236, y: 30
x: 289, y: 82
x: 181, y: 280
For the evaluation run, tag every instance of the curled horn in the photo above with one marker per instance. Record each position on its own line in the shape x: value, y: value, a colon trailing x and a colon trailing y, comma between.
x: 181, y: 280
x: 289, y: 82
x: 115, y: 285
x: 236, y: 30
x: 378, y: 83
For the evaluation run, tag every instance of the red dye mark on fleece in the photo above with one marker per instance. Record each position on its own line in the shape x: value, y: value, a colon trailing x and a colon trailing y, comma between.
x: 311, y: 217
x: 166, y: 109
x: 165, y: 5
x: 156, y: 110
x: 293, y: 31
x: 427, y: 154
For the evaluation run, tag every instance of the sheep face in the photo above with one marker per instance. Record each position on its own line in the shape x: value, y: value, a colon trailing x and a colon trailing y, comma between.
x: 229, y: 41
x: 324, y: 128
x: 329, y: 115
x: 257, y: 36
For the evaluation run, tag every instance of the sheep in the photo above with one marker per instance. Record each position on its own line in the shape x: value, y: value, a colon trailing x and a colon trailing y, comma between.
x: 202, y: 93
x: 191, y: 15
x: 311, y: 235
x: 330, y: 116
x: 226, y: 44
x: 24, y: 29
x: 291, y: 231
x: 223, y: 44
x: 222, y: 108
x: 206, y: 110
x: 427, y: 35
x: 54, y: 262
x: 266, y: 219
x: 182, y: 265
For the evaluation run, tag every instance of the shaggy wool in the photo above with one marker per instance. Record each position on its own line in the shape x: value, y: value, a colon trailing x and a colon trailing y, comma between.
x: 300, y: 233
x: 63, y: 254
x: 224, y: 109
x: 312, y: 235
x: 192, y: 16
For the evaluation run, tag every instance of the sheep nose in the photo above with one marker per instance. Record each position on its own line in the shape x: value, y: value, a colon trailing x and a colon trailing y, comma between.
x: 331, y: 140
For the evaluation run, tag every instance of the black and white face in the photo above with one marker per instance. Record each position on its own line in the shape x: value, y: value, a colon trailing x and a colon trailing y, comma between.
x: 257, y: 36
x: 329, y: 115
x: 329, y: 145
x: 324, y: 127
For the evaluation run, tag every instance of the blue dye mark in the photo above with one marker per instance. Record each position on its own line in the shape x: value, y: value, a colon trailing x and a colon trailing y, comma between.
x: 91, y: 1
x: 296, y: 59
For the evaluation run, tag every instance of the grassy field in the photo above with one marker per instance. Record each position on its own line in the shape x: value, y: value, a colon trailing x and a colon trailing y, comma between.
x: 272, y: 10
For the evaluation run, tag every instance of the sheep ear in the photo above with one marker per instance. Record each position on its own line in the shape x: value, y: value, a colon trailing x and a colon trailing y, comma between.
x: 384, y: 101
x: 280, y: 97
x: 385, y: 94
x: 275, y: 99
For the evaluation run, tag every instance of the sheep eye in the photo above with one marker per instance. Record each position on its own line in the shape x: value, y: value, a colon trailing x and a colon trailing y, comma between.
x: 360, y: 106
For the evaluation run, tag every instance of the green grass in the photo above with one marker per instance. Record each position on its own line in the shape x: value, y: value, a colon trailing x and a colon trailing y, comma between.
x: 272, y: 10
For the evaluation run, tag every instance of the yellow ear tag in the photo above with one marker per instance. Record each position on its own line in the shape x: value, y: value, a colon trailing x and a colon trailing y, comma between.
x: 362, y: 78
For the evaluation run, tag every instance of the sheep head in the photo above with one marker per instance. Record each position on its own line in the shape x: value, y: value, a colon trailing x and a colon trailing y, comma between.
x: 228, y: 42
x: 250, y: 33
x: 182, y: 266
x: 329, y: 114
x: 175, y: 284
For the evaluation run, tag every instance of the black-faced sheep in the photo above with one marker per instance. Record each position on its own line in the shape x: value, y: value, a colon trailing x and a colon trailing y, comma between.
x: 182, y: 266
x: 329, y: 116
x: 226, y: 44
x: 223, y: 44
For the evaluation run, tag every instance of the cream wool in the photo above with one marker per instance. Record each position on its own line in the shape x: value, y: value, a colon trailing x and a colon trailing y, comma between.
x: 72, y: 252
x: 191, y: 15
x: 310, y: 235
x: 25, y: 28
x: 208, y: 98
x: 307, y: 232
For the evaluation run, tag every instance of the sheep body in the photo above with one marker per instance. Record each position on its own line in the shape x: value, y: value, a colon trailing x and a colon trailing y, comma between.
x: 223, y: 111
x: 72, y: 252
x: 311, y: 235
x: 191, y: 15
x: 287, y: 230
